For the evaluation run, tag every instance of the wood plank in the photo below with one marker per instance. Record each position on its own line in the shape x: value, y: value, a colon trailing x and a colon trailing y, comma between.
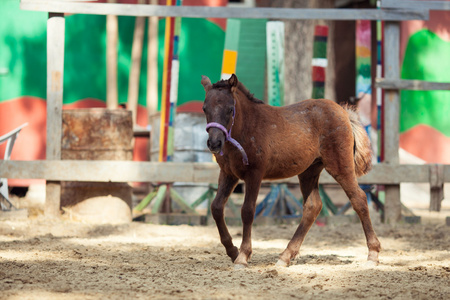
x: 393, y: 205
x: 222, y: 12
x: 135, y: 69
x: 108, y: 171
x: 392, y: 101
x: 391, y: 118
x: 432, y: 5
x: 124, y: 171
x: 55, y: 70
x: 152, y: 68
x: 52, y: 199
x: 16, y: 214
x: 402, y: 84
x: 112, y: 38
x: 446, y: 173
x: 436, y: 186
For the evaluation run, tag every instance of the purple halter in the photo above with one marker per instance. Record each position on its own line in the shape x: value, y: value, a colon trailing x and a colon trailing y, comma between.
x: 228, y: 136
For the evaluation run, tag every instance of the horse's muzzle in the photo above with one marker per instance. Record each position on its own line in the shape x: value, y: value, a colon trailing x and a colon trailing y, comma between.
x: 214, y: 145
x: 217, y: 135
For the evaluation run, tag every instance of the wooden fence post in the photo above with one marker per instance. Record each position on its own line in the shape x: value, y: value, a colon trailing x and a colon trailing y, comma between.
x: 112, y: 37
x: 152, y: 60
x: 135, y: 69
x: 436, y: 186
x: 391, y: 117
x: 55, y: 68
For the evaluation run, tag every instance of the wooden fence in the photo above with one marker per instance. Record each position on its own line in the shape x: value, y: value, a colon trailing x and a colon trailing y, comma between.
x: 390, y: 173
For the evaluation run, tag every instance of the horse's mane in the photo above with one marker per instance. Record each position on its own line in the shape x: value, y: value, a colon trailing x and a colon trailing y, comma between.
x: 241, y: 87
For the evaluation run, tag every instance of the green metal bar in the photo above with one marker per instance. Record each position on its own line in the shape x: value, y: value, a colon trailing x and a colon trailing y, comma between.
x: 146, y: 201
x: 201, y: 199
x: 210, y: 198
x: 324, y: 212
x: 159, y: 199
x: 180, y: 201
x: 327, y: 201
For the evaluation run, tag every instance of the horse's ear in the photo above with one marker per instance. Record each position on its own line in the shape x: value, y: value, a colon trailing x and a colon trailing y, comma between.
x: 206, y: 82
x: 233, y: 81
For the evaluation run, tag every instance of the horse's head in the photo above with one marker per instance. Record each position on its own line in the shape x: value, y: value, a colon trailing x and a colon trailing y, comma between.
x: 219, y: 108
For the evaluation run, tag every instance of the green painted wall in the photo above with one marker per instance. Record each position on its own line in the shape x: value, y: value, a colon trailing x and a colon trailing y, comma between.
x: 426, y: 58
x: 22, y: 46
x: 23, y: 55
x: 251, y: 61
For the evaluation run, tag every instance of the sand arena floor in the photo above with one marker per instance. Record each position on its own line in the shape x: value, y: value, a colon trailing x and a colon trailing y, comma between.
x: 42, y: 259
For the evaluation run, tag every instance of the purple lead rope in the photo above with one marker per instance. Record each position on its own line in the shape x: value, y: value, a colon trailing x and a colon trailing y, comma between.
x: 229, y: 138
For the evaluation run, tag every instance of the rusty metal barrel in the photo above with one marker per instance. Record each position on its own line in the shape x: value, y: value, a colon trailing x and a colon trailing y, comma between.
x: 96, y: 134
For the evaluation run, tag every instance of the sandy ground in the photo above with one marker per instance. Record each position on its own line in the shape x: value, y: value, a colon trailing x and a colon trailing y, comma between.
x: 44, y: 259
x: 62, y: 259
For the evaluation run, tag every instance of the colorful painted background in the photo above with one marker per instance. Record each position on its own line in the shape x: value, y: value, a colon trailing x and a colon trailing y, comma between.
x: 424, y: 122
x: 425, y: 115
x: 23, y: 69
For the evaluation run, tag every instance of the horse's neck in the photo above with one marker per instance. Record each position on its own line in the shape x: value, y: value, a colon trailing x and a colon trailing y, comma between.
x: 246, y: 108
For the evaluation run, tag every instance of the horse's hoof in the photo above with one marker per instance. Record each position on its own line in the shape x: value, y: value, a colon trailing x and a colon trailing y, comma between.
x: 240, y: 266
x: 371, y: 263
x: 233, y: 254
x: 281, y: 263
x: 372, y: 259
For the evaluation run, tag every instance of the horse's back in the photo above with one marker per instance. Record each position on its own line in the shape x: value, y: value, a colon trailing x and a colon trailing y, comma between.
x: 343, y: 142
x: 314, y: 130
x: 321, y: 116
x: 295, y: 134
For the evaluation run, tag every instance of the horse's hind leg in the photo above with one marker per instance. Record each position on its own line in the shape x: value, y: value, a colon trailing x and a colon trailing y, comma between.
x: 312, y: 205
x: 226, y: 187
x: 358, y: 199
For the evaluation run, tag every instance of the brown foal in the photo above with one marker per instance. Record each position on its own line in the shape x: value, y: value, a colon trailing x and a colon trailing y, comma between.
x: 253, y: 141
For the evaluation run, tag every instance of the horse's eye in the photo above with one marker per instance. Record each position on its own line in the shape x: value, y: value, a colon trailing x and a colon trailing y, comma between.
x: 203, y: 108
x: 230, y: 111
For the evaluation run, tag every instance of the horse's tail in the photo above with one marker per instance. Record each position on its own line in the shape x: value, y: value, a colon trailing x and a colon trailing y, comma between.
x: 362, y: 149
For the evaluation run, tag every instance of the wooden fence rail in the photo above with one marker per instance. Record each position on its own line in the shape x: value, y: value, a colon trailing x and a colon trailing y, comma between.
x: 402, y: 84
x: 134, y: 171
x: 142, y: 10
x: 430, y: 5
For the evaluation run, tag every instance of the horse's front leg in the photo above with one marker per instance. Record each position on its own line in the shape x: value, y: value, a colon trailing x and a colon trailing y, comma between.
x: 226, y: 186
x: 252, y: 186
